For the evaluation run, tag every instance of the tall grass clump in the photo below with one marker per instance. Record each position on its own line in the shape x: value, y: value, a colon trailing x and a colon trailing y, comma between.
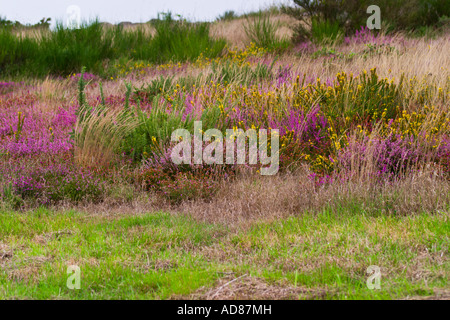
x: 179, y: 40
x: 99, y: 132
x: 325, y: 31
x: 16, y: 52
x: 65, y: 50
x: 262, y: 31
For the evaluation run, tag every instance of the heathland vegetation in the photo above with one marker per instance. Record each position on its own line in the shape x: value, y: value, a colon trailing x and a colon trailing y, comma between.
x: 86, y: 117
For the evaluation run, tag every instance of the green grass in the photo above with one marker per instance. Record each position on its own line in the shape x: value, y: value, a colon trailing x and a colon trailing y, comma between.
x: 262, y: 31
x: 323, y: 31
x: 158, y: 256
x: 65, y: 51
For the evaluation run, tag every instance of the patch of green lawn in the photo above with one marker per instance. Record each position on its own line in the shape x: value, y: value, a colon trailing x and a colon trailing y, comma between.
x: 158, y: 255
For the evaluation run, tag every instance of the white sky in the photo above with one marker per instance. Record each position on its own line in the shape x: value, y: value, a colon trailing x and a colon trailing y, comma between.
x: 114, y: 11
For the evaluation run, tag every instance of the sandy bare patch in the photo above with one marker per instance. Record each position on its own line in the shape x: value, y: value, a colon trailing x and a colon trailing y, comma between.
x: 439, y: 294
x: 252, y: 288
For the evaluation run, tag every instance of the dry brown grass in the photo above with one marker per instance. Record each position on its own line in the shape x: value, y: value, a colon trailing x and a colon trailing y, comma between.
x: 253, y: 199
x: 234, y: 32
x: 145, y: 27
x: 33, y: 33
x: 414, y: 57
x: 53, y: 92
x: 438, y: 295
x: 248, y: 287
x: 99, y: 133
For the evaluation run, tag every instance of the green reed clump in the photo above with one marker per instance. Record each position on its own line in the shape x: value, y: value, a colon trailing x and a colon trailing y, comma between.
x: 262, y: 31
x: 16, y: 52
x: 324, y: 31
x: 179, y: 40
x: 64, y: 51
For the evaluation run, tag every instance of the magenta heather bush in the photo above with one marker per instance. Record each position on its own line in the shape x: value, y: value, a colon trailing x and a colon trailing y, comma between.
x: 365, y: 36
x: 28, y: 134
x: 284, y: 76
x: 6, y: 87
x: 306, y: 48
x: 86, y: 77
x: 390, y: 157
x: 55, y: 183
x: 42, y: 132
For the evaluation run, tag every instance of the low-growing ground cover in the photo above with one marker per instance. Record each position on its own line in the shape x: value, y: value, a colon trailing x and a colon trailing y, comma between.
x: 313, y: 256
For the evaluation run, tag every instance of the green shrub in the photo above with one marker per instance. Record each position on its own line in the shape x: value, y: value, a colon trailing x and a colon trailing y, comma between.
x: 350, y: 15
x: 363, y: 99
x: 227, y: 15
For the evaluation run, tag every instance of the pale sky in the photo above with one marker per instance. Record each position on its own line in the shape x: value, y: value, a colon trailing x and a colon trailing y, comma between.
x: 114, y: 11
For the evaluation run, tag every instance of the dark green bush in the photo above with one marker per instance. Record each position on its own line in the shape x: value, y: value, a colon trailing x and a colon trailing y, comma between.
x: 227, y: 15
x: 350, y: 15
